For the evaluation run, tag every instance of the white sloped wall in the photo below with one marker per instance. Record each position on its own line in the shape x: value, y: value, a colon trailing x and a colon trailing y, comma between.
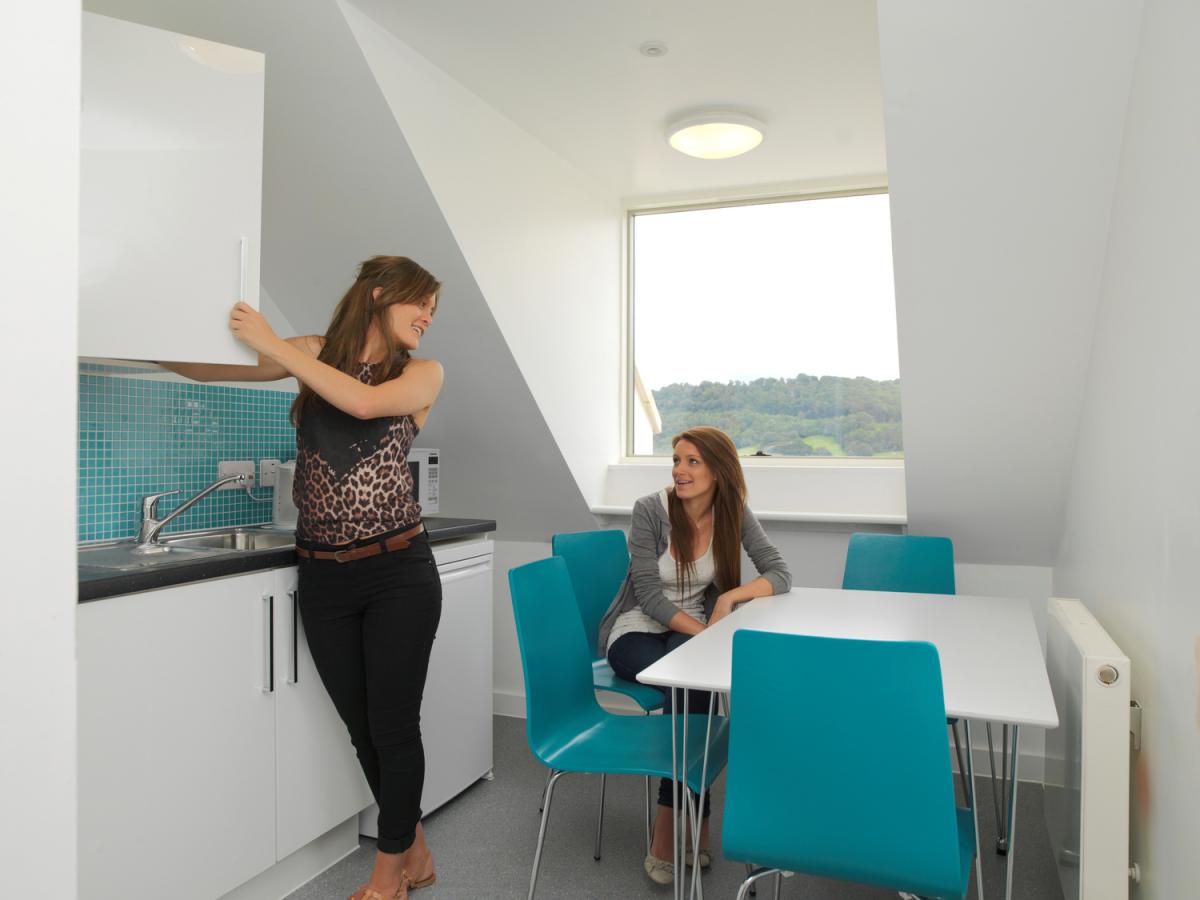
x: 542, y: 240
x: 1131, y: 545
x: 1003, y: 125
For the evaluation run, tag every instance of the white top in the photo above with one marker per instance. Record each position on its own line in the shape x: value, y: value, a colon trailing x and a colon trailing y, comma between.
x: 991, y: 657
x: 690, y: 600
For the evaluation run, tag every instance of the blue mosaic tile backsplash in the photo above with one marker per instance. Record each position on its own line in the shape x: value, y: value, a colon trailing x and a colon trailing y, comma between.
x: 141, y: 435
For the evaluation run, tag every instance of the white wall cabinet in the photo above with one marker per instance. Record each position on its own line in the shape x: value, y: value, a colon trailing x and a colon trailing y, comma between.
x: 170, y: 192
x: 176, y: 741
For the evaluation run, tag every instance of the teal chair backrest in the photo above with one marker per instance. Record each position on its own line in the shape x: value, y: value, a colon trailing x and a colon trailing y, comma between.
x: 555, y: 656
x: 899, y: 562
x: 598, y: 562
x: 808, y: 790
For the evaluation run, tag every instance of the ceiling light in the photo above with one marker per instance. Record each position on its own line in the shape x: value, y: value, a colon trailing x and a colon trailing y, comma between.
x: 717, y: 135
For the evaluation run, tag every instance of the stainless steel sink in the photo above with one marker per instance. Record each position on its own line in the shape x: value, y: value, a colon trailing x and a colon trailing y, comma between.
x: 243, y: 539
x: 121, y: 556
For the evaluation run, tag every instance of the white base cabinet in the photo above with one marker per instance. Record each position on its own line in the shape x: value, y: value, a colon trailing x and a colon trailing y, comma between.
x: 176, y: 741
x: 209, y: 750
x: 318, y: 780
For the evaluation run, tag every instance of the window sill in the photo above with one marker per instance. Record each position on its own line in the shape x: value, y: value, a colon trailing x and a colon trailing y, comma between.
x: 836, y: 491
x: 765, y: 515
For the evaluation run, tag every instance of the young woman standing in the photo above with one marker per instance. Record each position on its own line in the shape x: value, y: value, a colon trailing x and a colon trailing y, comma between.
x: 370, y: 596
x: 685, y: 545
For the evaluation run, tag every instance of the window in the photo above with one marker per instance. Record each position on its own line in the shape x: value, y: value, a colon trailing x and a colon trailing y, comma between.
x: 775, y: 322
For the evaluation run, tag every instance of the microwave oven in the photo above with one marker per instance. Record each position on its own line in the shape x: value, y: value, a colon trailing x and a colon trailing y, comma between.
x: 422, y: 463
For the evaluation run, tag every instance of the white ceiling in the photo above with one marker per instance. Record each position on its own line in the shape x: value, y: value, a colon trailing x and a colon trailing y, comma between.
x: 570, y: 74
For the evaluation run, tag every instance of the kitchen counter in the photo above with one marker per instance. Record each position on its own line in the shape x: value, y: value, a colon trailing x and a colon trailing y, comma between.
x: 96, y: 585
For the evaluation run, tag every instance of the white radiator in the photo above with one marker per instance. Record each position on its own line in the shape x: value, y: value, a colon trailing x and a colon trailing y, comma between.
x: 1087, y: 756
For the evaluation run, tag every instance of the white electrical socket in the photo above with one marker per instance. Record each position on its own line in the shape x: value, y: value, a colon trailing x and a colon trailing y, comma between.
x: 236, y: 467
x: 267, y: 470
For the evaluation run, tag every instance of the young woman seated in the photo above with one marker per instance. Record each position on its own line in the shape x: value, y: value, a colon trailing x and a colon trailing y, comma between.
x: 685, y: 545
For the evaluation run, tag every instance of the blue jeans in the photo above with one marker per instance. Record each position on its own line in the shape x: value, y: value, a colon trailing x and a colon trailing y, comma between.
x: 632, y: 652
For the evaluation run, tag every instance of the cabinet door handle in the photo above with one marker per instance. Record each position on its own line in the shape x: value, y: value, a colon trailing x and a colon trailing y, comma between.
x: 244, y: 255
x: 468, y: 572
x: 268, y: 682
x: 295, y: 595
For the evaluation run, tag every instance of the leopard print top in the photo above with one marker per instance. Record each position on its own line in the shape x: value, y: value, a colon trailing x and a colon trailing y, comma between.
x: 352, y: 476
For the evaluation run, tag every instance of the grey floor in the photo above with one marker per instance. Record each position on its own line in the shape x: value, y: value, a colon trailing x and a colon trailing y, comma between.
x: 484, y: 840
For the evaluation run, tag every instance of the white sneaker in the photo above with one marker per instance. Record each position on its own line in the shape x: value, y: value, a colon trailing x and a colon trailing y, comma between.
x: 661, y: 871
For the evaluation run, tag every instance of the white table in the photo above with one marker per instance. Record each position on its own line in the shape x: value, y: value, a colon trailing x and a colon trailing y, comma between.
x: 992, y: 664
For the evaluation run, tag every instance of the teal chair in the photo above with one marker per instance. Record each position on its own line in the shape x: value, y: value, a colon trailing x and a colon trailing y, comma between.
x: 566, y: 727
x: 800, y: 798
x: 598, y: 562
x: 908, y: 563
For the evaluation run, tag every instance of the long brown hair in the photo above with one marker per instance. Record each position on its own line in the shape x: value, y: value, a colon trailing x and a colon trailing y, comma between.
x: 400, y: 280
x: 720, y: 455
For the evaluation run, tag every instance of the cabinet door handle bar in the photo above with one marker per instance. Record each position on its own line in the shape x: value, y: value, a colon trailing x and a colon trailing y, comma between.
x: 295, y: 595
x: 269, y: 649
x: 244, y: 255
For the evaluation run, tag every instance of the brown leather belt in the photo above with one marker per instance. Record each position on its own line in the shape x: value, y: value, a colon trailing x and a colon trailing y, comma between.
x: 386, y: 545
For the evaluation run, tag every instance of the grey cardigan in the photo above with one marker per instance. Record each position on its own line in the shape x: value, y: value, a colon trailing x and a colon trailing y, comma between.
x: 648, y: 533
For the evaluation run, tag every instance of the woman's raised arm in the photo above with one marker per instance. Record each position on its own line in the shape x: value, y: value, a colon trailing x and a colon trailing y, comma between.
x: 266, y: 370
x: 413, y: 391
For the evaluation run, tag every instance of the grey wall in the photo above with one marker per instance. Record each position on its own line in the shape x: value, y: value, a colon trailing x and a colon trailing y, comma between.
x: 339, y: 184
x: 1131, y: 546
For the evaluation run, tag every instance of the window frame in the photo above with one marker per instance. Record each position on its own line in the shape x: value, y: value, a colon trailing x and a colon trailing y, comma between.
x: 629, y: 401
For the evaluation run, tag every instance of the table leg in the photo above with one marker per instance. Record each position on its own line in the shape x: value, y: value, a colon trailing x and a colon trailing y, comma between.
x: 674, y: 795
x: 973, y: 800
x: 1000, y: 786
x: 1012, y: 814
x: 688, y: 817
x: 697, y: 891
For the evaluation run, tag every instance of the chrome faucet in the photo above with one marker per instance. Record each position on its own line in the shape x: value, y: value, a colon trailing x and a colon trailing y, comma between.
x: 147, y: 539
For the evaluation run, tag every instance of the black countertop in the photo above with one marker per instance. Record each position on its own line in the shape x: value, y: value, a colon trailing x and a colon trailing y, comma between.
x: 94, y: 586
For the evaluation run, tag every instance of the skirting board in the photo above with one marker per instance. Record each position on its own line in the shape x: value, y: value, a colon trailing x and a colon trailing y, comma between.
x: 1032, y: 767
x: 302, y: 866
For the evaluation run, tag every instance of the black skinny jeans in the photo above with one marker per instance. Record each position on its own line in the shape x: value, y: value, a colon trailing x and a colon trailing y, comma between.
x: 632, y: 652
x: 370, y: 626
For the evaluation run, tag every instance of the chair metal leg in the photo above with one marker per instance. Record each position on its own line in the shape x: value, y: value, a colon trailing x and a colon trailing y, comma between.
x: 752, y: 875
x: 600, y: 818
x: 962, y: 769
x: 537, y: 856
x: 753, y: 886
x: 778, y: 884
x: 648, y: 817
x: 542, y: 800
